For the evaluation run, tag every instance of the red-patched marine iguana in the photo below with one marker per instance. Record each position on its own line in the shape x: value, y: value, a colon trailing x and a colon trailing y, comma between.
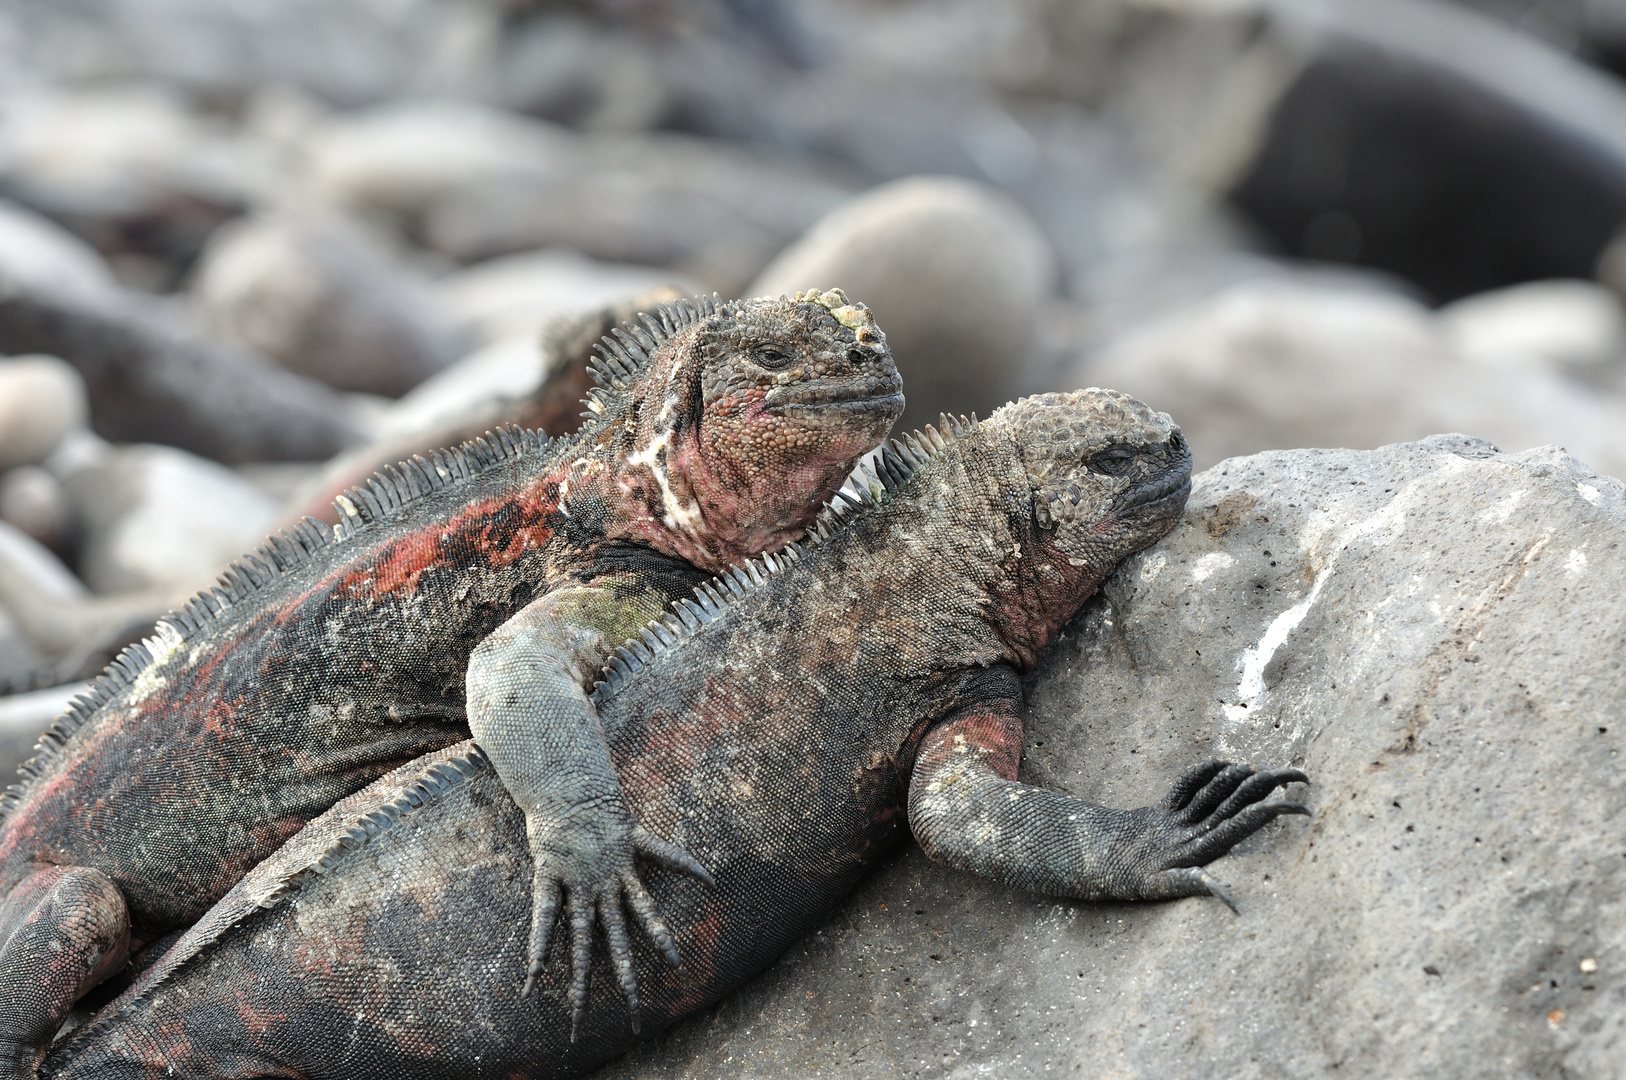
x: 501, y: 575
x: 788, y: 726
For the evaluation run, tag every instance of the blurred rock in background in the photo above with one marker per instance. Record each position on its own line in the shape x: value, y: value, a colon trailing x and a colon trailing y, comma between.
x: 317, y: 298
x: 955, y: 274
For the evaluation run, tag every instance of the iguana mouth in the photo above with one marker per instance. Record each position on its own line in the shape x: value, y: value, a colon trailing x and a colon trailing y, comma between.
x: 844, y: 396
x: 1163, y: 491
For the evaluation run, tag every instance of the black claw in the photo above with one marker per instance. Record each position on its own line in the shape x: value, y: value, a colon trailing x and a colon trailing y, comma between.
x: 530, y: 978
x: 1215, y: 889
x: 636, y: 1025
x: 1231, y: 833
x: 1253, y: 789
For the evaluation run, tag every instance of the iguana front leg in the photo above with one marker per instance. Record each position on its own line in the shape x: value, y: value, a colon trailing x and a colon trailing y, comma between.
x: 529, y: 709
x: 968, y: 811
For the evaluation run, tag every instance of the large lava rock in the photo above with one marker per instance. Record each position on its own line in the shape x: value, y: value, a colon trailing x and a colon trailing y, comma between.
x: 1433, y: 632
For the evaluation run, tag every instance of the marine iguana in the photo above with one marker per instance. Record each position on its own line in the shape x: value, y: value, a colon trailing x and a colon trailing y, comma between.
x: 788, y: 725
x: 333, y: 656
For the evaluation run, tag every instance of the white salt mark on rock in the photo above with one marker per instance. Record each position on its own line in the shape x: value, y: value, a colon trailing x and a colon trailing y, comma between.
x: 1209, y: 564
x: 1154, y: 566
x: 1254, y: 660
x: 1588, y: 492
x: 1575, y: 565
x: 1505, y: 506
x: 1383, y: 527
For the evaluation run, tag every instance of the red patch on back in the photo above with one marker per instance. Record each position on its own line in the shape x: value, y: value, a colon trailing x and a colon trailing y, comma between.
x: 495, y: 532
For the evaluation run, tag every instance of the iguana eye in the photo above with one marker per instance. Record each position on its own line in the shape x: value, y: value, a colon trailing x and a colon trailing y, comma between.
x: 1114, y: 461
x: 772, y: 358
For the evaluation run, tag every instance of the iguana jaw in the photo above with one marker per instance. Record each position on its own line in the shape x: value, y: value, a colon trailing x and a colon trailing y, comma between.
x: 823, y: 402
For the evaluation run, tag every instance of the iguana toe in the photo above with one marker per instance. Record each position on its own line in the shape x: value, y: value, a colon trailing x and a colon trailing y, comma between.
x: 544, y: 910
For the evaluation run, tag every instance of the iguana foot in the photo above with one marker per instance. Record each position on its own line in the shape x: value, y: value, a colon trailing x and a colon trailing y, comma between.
x: 1212, y: 808
x: 586, y: 861
x: 62, y: 930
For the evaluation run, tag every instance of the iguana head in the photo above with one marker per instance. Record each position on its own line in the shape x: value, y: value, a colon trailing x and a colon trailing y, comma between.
x: 749, y: 415
x: 1108, y: 476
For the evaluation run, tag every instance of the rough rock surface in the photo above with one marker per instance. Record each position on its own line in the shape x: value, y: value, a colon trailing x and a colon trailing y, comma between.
x: 314, y: 295
x: 955, y: 274
x: 1433, y: 632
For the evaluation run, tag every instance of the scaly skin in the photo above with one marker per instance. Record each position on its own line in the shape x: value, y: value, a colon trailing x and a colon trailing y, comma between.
x: 787, y: 734
x: 327, y: 662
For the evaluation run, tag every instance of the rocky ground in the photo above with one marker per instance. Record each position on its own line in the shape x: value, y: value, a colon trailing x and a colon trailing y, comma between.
x: 248, y: 252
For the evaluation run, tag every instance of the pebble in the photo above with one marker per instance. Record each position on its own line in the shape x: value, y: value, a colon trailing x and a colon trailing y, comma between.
x: 1574, y: 328
x: 323, y: 302
x: 955, y: 274
x: 38, y: 254
x: 31, y: 499
x: 709, y: 211
x: 155, y: 516
x: 41, y: 400
x: 401, y: 156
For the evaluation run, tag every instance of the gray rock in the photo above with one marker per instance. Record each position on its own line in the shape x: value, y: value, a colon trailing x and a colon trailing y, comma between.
x: 1432, y: 632
x: 156, y: 517
x: 70, y: 634
x: 25, y: 558
x: 18, y: 660
x: 41, y: 400
x: 149, y: 376
x: 134, y: 170
x: 708, y: 210
x: 349, y: 51
x: 1514, y: 155
x: 401, y: 157
x: 955, y: 274
x: 517, y: 295
x: 1572, y: 328
x: 1277, y: 364
x: 38, y: 254
x: 319, y: 299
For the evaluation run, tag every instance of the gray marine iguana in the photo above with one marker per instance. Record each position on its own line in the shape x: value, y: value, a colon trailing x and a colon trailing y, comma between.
x: 334, y: 656
x: 789, y: 725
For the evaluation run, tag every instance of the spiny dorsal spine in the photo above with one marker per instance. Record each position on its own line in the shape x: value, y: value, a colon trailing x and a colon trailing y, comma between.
x: 624, y: 353
x: 892, y: 468
x: 424, y: 790
x: 865, y: 490
x: 385, y: 495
